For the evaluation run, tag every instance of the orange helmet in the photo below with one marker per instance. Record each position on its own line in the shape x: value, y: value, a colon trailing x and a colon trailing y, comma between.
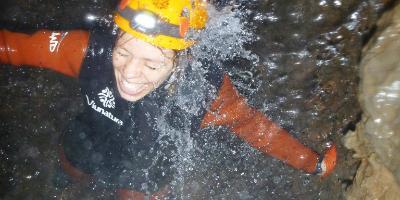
x: 163, y: 23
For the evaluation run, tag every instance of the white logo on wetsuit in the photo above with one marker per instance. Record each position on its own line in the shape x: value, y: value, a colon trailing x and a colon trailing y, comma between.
x: 107, y: 98
x: 54, y: 42
x: 102, y: 111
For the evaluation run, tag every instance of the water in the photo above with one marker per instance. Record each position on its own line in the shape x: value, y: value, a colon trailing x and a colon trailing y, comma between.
x: 296, y: 61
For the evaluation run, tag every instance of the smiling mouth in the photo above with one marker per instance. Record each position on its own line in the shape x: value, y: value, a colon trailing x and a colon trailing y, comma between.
x: 132, y: 88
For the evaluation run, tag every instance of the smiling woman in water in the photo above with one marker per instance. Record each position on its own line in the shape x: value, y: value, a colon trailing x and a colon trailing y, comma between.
x: 140, y: 67
x: 114, y: 142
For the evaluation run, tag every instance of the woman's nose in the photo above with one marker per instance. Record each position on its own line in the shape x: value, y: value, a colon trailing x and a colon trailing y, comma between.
x: 133, y: 69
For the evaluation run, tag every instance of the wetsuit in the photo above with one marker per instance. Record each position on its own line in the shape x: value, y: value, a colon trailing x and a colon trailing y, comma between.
x: 116, y: 141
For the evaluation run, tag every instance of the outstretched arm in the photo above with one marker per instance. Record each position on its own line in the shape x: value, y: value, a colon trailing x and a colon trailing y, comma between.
x: 230, y: 109
x: 59, y: 51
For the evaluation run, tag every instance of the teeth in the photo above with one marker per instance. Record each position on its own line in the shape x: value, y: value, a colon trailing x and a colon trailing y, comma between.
x: 132, y: 87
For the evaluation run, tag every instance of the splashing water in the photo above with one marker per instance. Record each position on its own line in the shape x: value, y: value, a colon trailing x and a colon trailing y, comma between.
x: 222, y: 40
x: 224, y: 37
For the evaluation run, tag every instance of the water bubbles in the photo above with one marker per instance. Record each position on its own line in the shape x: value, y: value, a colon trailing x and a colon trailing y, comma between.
x: 224, y: 37
x: 328, y: 144
x: 90, y: 17
x: 319, y: 18
x: 337, y: 3
x: 271, y: 17
x: 82, y: 135
x: 276, y: 179
x: 261, y: 17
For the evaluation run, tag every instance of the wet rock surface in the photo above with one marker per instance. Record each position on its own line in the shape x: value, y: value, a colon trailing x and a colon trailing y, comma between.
x: 376, y: 141
x: 306, y: 80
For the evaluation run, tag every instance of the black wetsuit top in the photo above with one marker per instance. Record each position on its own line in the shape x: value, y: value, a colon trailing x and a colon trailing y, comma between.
x: 120, y: 142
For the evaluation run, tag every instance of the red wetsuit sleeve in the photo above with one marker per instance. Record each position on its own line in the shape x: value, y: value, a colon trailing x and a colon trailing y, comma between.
x: 59, y: 51
x: 231, y: 110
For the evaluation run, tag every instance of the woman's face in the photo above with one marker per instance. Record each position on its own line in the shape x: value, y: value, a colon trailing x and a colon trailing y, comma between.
x: 140, y: 67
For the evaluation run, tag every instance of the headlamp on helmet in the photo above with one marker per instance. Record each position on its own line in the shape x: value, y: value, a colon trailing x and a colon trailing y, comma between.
x: 144, y: 21
x: 163, y: 23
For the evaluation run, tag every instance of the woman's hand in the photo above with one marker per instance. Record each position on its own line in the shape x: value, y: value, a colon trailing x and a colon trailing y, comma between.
x: 328, y: 162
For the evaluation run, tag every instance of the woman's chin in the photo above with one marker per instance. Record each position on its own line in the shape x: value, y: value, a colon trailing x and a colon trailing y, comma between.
x: 132, y: 95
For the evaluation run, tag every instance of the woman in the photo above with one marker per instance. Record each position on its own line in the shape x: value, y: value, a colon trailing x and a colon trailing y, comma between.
x: 126, y: 80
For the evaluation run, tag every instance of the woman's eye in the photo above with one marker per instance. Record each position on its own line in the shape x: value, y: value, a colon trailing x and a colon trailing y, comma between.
x: 122, y: 54
x: 153, y: 66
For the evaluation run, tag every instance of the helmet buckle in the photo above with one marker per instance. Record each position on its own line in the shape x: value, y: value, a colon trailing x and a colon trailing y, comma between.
x: 183, y: 26
x: 123, y: 4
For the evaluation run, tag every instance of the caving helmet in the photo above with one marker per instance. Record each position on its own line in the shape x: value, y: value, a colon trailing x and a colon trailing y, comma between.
x: 163, y: 23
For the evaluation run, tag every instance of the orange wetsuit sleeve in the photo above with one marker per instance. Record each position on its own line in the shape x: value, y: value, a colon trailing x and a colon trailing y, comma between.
x: 231, y: 110
x: 56, y: 50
